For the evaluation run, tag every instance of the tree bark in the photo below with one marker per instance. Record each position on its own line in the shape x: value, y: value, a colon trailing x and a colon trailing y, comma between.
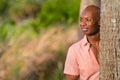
x: 110, y: 40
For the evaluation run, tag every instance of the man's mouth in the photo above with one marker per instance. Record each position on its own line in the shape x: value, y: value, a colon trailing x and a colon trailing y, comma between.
x: 84, y: 29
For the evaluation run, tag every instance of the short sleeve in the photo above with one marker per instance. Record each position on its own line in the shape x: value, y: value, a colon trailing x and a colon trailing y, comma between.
x: 71, y: 64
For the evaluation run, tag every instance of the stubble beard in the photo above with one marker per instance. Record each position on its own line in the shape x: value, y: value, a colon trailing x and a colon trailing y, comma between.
x: 95, y: 32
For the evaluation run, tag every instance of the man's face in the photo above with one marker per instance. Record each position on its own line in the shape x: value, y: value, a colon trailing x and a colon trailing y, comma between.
x: 89, y: 22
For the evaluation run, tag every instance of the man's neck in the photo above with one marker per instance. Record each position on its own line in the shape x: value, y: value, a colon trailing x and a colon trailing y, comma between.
x: 94, y: 39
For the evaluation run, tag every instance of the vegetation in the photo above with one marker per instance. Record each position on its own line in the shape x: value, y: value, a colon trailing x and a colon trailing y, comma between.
x: 22, y: 21
x: 38, y: 13
x: 60, y: 11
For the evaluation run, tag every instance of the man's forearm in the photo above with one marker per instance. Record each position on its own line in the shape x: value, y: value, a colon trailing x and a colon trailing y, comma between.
x: 71, y: 77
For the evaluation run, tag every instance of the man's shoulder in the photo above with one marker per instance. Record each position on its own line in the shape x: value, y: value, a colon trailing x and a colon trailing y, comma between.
x: 76, y: 44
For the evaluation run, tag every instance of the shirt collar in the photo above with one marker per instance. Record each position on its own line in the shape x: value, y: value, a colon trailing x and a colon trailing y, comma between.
x: 85, y: 41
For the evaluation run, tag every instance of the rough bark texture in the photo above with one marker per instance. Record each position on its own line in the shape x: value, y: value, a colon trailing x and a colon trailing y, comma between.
x: 110, y: 40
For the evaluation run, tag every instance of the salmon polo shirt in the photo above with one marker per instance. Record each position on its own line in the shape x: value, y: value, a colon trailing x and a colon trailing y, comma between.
x: 81, y: 61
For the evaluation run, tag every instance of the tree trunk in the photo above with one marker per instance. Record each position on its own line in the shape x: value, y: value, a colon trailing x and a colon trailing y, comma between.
x: 110, y: 40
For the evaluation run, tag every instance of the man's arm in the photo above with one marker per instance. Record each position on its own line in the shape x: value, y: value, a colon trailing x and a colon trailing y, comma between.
x: 71, y: 77
x: 71, y: 69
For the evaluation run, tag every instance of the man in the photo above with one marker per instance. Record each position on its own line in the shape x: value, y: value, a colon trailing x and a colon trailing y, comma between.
x: 82, y: 62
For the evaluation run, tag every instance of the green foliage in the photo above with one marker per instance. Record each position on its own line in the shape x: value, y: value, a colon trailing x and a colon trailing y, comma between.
x: 15, y: 70
x: 26, y: 29
x: 9, y: 30
x: 59, y: 70
x: 50, y: 12
x: 6, y: 32
x: 59, y: 11
x: 35, y: 26
x: 58, y: 74
x: 20, y: 9
x: 3, y: 6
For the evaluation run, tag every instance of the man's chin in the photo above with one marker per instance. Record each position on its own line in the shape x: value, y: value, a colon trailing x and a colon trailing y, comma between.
x: 92, y: 34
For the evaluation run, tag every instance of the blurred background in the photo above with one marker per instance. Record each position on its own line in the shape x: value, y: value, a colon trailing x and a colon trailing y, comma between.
x: 35, y: 36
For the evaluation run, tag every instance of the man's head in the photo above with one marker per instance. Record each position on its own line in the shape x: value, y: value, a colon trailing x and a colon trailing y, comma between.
x: 90, y: 20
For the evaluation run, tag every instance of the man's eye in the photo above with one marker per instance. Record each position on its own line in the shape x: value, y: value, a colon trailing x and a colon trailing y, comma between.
x: 88, y: 19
